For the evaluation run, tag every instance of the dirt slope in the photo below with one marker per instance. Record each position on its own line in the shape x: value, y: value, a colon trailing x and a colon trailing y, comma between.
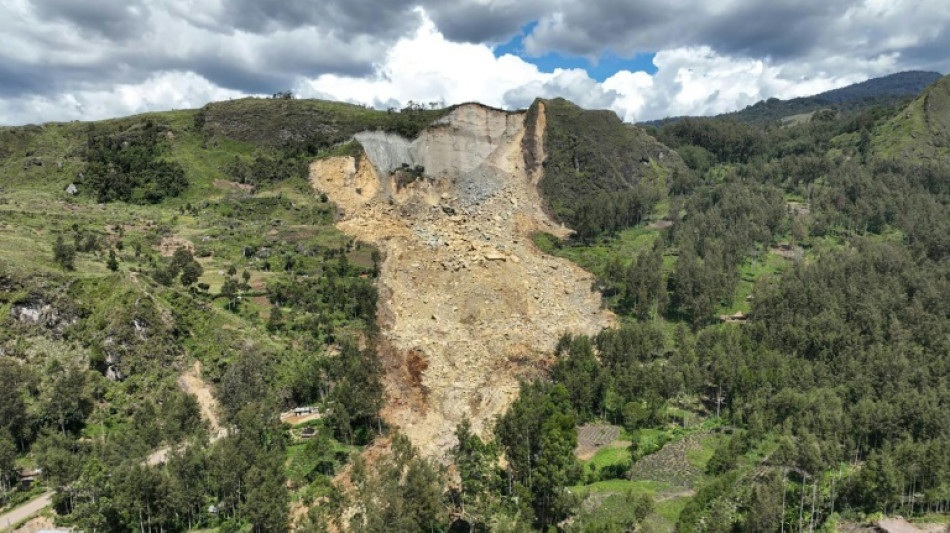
x: 467, y: 305
x: 191, y: 382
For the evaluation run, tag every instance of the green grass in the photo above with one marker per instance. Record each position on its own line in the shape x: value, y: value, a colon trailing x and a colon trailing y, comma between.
x: 620, y: 486
x: 626, y: 245
x: 700, y: 457
x: 610, y: 456
x: 670, y: 509
x: 753, y: 271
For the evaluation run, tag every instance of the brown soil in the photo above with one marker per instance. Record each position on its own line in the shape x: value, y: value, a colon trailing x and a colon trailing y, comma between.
x: 172, y: 243
x: 35, y: 525
x: 223, y: 184
x: 467, y: 304
x: 788, y: 251
x: 192, y: 383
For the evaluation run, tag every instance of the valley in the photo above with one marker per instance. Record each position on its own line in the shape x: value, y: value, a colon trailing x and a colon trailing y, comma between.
x: 275, y: 313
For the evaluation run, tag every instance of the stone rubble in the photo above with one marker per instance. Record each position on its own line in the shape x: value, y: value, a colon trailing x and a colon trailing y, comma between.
x: 464, y: 293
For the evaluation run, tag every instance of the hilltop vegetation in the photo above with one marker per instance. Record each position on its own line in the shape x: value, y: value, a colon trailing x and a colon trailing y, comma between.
x: 833, y: 379
x: 922, y: 131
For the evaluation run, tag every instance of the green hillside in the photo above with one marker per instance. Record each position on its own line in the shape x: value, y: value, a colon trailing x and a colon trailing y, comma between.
x: 599, y: 173
x: 182, y: 244
x: 922, y: 131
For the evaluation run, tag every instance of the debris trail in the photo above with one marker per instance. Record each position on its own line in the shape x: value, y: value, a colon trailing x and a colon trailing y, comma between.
x: 468, y: 305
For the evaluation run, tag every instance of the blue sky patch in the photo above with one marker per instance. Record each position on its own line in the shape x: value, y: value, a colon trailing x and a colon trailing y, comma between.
x: 606, y: 66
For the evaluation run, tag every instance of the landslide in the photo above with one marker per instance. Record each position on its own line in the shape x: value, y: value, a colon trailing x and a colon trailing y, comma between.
x: 468, y: 305
x: 921, y: 133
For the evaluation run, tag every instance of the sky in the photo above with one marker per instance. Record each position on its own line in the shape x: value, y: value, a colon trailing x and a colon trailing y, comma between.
x: 86, y: 60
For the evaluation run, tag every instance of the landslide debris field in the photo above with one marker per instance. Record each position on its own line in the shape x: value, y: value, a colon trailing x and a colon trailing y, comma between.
x: 468, y: 305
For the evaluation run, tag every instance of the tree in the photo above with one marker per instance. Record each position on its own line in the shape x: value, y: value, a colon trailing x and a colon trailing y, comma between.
x: 65, y: 402
x: 63, y: 254
x: 357, y: 393
x: 267, y: 502
x: 113, y: 263
x: 13, y: 414
x: 402, y: 493
x: 229, y: 290
x: 190, y: 273
x: 479, y: 481
x: 538, y: 434
x: 579, y: 372
x: 7, y: 459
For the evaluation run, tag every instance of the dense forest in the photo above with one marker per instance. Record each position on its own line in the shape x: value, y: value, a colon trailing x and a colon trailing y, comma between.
x: 782, y: 333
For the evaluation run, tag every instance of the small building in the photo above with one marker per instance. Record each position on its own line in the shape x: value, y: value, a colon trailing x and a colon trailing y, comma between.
x: 28, y: 477
x: 305, y: 410
x: 738, y: 317
x: 308, y: 432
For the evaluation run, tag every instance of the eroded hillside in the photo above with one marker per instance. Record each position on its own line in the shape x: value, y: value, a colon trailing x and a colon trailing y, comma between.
x: 468, y: 305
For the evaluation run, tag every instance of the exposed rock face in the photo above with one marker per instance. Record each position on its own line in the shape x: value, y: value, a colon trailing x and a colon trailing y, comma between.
x: 468, y: 305
x: 43, y: 314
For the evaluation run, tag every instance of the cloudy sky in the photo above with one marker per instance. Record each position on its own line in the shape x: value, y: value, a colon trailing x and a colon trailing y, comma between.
x: 645, y: 59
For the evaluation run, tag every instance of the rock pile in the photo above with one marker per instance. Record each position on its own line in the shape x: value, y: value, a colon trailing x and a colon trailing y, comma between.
x: 468, y: 305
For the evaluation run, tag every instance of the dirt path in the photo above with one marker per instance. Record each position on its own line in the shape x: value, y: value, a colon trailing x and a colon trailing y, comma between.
x: 192, y: 383
x: 21, y: 513
x: 468, y: 305
x: 897, y: 524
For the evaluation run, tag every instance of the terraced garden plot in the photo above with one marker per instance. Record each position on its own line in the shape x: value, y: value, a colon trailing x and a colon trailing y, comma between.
x: 680, y: 463
x: 593, y: 437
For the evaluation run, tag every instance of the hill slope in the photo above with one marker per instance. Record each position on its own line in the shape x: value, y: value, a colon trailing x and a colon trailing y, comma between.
x: 587, y: 161
x: 922, y: 130
x: 468, y: 305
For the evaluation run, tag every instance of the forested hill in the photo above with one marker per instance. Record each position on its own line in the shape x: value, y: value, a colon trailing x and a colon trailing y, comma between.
x: 599, y: 174
x: 854, y: 98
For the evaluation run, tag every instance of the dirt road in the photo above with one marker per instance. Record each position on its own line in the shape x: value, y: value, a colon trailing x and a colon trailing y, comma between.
x: 21, y: 513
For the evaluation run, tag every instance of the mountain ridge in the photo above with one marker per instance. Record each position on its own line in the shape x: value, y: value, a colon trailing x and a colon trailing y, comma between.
x: 884, y: 90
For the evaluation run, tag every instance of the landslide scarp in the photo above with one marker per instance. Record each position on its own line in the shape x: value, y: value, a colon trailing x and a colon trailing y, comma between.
x: 468, y: 305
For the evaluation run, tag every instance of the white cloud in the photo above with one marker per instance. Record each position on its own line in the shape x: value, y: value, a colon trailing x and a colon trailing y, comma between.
x: 689, y: 80
x: 71, y: 64
x: 426, y: 67
x: 163, y: 91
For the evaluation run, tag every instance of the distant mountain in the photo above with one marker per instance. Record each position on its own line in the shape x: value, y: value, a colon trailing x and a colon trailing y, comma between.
x: 886, y: 90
